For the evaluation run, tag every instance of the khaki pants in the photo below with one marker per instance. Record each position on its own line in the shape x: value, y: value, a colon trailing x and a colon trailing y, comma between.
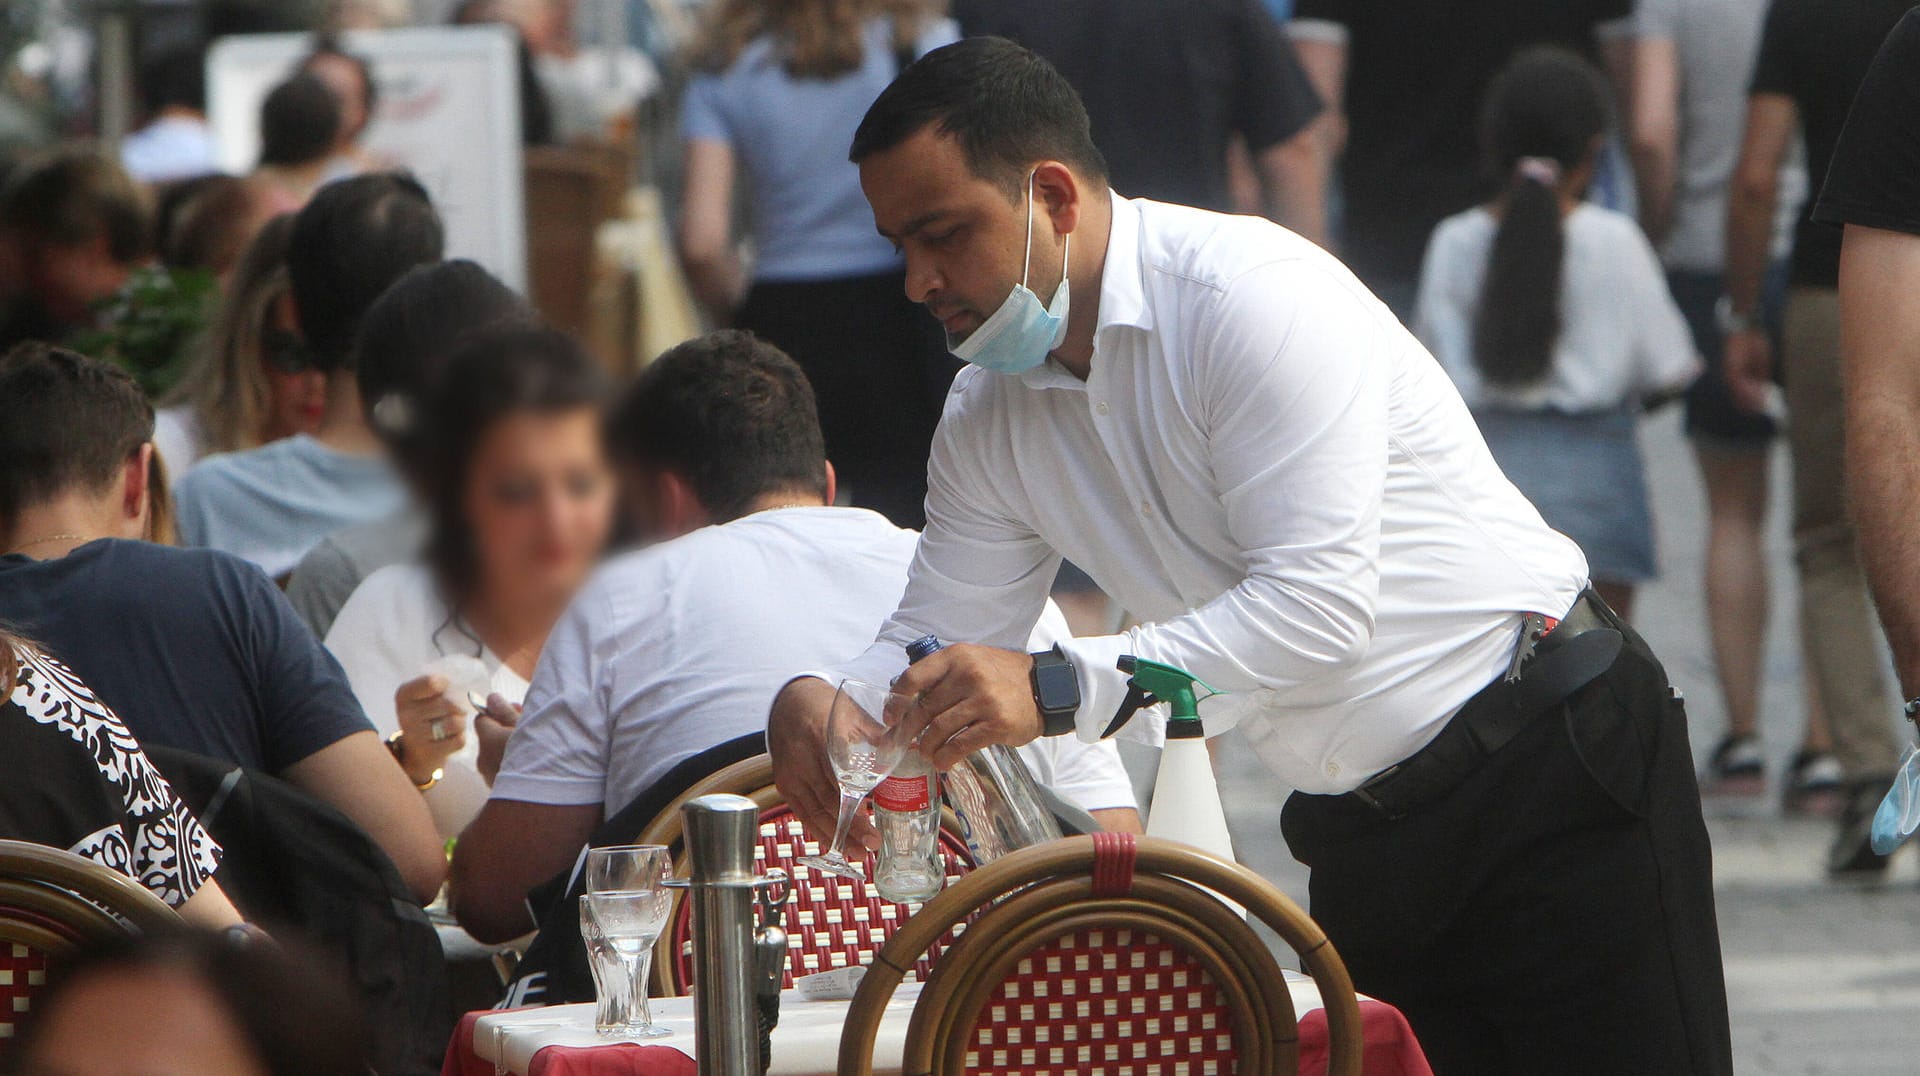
x: 1837, y: 619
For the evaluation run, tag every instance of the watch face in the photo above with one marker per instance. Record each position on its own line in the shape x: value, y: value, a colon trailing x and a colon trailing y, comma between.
x: 1057, y: 686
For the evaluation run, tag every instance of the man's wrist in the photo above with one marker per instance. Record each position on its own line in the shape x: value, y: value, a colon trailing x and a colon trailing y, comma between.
x: 1056, y: 691
x: 423, y: 775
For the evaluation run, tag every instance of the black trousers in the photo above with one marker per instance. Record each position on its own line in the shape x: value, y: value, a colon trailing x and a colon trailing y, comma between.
x: 1554, y: 912
x: 880, y: 372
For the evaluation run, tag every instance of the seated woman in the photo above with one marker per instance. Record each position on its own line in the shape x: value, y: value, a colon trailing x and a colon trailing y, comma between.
x: 253, y: 382
x: 78, y: 781
x: 521, y: 496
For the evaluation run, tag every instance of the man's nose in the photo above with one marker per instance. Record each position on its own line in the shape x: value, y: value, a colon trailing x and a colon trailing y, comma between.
x: 922, y: 279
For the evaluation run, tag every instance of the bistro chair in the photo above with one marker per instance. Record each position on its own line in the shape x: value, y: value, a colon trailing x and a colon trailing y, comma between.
x: 831, y: 922
x: 1105, y: 955
x: 51, y: 902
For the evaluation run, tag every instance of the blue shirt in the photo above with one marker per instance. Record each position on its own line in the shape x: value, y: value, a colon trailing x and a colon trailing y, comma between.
x: 193, y: 649
x: 272, y: 504
x: 810, y: 220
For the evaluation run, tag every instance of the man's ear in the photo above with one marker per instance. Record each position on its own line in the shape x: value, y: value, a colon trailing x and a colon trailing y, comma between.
x: 1058, y: 192
x: 136, y: 489
x: 833, y: 482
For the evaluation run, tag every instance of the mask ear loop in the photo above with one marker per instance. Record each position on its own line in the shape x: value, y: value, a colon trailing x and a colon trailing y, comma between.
x: 1026, y: 261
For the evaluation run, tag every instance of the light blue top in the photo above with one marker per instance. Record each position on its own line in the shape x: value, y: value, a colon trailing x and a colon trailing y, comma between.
x: 272, y: 504
x: 790, y: 137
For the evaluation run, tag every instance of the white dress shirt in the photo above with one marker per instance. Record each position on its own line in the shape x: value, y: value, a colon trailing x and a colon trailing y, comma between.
x: 1269, y: 470
x: 1622, y: 338
x: 679, y: 647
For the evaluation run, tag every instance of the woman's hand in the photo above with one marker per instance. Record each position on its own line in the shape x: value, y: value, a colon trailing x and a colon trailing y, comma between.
x: 494, y: 726
x: 432, y: 728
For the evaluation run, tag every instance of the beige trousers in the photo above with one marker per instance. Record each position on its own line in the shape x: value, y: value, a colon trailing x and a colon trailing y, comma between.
x: 1837, y: 619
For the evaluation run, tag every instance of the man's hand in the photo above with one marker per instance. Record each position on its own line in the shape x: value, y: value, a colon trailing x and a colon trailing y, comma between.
x: 494, y: 726
x: 797, y: 740
x: 970, y: 697
x: 1748, y: 368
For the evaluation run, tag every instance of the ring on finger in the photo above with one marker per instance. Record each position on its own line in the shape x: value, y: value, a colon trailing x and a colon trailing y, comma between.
x: 437, y: 730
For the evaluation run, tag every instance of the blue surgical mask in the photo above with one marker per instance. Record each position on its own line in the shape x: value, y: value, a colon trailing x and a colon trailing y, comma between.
x: 1019, y: 334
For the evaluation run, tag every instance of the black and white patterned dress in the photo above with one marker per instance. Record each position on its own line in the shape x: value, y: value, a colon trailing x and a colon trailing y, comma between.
x: 77, y: 779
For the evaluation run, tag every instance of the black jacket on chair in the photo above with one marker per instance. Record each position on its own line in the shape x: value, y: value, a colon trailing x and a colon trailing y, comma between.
x: 295, y: 863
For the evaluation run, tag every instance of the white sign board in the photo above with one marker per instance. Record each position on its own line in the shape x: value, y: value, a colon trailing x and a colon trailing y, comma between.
x: 448, y: 111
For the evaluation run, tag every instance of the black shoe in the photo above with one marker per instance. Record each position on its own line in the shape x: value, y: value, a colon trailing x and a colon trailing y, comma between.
x: 1736, y: 768
x: 1814, y: 785
x: 1852, y: 856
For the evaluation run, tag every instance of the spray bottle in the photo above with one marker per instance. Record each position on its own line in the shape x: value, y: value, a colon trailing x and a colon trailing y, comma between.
x: 1186, y: 798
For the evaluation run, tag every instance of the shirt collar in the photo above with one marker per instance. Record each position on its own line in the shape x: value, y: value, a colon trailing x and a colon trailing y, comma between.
x: 1122, y: 292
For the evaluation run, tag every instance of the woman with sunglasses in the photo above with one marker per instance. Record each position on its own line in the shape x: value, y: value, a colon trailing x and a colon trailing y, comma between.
x: 253, y: 382
x: 520, y: 493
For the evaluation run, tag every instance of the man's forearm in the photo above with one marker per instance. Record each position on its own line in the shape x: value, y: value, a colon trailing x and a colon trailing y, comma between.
x: 1750, y: 208
x: 1880, y: 345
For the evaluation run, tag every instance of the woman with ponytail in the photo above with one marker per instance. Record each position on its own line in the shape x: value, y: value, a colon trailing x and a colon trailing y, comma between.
x: 1553, y: 318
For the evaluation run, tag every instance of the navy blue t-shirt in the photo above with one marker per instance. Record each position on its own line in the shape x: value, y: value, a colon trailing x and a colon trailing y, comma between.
x: 193, y: 648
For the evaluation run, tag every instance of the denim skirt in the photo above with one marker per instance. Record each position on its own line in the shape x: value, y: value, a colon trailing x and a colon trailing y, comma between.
x: 1585, y: 475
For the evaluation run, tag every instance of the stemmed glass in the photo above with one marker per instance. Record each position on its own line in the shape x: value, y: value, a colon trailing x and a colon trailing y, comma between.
x: 865, y: 741
x: 622, y: 915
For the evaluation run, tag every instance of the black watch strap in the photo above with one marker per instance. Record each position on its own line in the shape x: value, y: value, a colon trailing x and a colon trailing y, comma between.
x: 1056, y: 691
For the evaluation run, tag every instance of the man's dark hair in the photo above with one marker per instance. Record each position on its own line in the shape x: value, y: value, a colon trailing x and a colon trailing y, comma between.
x: 175, y: 77
x: 76, y: 194
x: 1007, y: 107
x: 407, y: 335
x: 730, y: 413
x: 66, y: 422
x: 299, y: 121
x: 329, y: 44
x: 350, y: 244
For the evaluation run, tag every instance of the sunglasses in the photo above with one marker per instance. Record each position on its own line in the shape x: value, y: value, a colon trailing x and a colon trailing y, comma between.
x: 285, y: 351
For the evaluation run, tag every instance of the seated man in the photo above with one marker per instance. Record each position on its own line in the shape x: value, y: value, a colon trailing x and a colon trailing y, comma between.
x: 74, y: 227
x: 271, y: 504
x: 193, y: 649
x: 679, y: 647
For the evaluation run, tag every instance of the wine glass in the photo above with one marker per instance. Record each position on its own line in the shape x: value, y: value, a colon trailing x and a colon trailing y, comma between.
x: 620, y: 927
x: 865, y: 741
x: 618, y: 867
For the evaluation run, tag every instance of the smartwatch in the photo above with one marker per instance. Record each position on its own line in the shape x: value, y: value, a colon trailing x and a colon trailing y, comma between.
x: 1056, y: 691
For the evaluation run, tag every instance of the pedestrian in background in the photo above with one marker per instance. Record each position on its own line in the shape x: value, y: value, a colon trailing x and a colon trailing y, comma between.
x: 1813, y: 56
x: 782, y: 85
x: 1692, y: 60
x: 1553, y: 318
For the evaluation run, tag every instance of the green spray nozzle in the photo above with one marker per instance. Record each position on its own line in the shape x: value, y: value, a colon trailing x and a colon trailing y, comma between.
x: 1171, y: 685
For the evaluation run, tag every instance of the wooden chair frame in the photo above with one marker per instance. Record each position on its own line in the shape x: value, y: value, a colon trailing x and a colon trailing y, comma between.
x: 90, y: 900
x: 1052, y: 894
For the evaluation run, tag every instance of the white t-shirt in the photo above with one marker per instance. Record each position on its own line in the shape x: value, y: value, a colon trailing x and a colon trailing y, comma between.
x: 680, y: 647
x: 178, y: 438
x: 1621, y: 335
x: 386, y: 634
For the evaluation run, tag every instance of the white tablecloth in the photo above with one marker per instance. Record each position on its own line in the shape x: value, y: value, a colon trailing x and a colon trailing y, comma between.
x: 806, y: 1043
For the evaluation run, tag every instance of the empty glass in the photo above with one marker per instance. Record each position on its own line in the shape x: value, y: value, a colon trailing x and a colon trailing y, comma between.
x: 620, y: 930
x: 622, y: 915
x: 865, y: 741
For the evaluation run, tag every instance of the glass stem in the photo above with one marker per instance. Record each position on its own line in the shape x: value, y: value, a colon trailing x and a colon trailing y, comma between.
x: 849, y: 804
x: 642, y: 1004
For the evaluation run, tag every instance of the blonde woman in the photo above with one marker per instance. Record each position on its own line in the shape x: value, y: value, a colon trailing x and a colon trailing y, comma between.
x: 781, y: 87
x: 253, y: 382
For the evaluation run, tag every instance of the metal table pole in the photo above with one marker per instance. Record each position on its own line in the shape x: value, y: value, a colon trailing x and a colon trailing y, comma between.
x: 721, y: 834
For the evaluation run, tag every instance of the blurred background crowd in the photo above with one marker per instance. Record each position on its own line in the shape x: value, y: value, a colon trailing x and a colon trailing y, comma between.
x: 1586, y: 209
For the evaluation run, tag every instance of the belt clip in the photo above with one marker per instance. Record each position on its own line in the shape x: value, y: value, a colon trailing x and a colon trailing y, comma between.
x: 1365, y: 794
x: 1533, y: 628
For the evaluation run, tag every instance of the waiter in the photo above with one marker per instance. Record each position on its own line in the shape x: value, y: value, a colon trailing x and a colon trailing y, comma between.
x: 1217, y: 421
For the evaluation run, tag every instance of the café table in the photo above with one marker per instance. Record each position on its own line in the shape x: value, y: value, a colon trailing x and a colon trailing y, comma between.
x: 560, y: 1040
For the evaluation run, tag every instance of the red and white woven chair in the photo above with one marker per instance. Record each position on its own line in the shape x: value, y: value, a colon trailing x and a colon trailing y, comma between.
x: 52, y: 901
x: 1105, y: 956
x: 831, y: 922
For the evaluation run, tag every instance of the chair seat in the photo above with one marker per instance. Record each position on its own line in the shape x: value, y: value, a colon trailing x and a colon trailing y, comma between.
x: 23, y: 973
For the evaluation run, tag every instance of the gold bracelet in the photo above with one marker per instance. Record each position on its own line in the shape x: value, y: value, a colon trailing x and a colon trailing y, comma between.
x: 398, y: 748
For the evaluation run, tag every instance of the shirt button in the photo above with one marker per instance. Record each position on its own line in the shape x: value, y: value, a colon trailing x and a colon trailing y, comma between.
x: 1102, y: 408
x: 1333, y: 769
x: 1146, y: 509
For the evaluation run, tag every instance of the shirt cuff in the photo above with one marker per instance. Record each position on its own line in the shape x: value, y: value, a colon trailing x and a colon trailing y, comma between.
x: 550, y: 790
x: 1103, y: 688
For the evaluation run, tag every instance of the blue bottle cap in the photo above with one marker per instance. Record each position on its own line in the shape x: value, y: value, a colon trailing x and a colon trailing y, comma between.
x: 923, y: 646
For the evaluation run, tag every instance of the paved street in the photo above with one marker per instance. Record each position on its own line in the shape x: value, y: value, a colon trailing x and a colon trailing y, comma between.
x: 1821, y: 978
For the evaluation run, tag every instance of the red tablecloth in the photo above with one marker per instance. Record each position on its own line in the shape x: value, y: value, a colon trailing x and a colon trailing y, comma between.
x: 1390, y: 1051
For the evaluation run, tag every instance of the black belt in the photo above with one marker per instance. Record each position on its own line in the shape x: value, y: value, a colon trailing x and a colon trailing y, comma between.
x: 1551, y: 662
